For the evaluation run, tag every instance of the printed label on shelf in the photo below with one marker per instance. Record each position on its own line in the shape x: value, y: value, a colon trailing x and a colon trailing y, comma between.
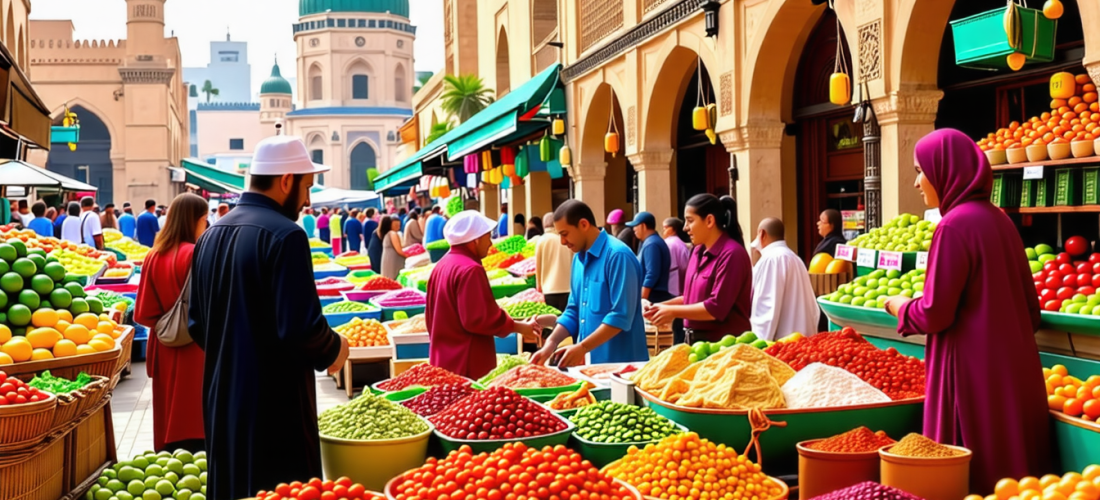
x: 1033, y: 172
x: 922, y: 260
x: 889, y: 261
x: 866, y: 258
x: 845, y: 252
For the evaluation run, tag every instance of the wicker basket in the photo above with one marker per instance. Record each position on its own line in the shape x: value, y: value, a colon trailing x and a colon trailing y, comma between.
x: 126, y: 343
x: 37, y: 475
x: 25, y: 425
x: 89, y: 444
x: 71, y: 406
x: 103, y: 364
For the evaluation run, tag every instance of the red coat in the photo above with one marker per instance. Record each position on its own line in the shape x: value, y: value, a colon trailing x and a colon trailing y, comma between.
x: 176, y: 371
x: 463, y: 317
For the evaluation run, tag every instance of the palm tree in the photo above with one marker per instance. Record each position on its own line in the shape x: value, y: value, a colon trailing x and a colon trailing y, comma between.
x: 464, y: 96
x: 437, y: 131
x: 209, y: 90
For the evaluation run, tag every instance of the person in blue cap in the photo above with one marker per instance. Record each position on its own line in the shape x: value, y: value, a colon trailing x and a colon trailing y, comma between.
x: 654, y: 257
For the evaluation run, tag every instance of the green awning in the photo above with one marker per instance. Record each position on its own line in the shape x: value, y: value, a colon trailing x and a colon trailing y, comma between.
x: 209, y: 184
x: 521, y: 113
x: 229, y: 182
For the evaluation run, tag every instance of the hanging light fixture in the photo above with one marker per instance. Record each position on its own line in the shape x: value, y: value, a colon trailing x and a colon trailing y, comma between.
x: 840, y: 85
x: 710, y: 9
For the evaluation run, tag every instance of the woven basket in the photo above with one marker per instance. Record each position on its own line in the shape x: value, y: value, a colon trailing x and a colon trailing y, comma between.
x: 37, y: 475
x: 72, y: 405
x: 126, y: 341
x: 103, y: 364
x: 25, y: 425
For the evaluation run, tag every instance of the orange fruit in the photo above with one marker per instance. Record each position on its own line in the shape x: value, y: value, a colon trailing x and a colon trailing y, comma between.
x: 973, y: 497
x: 1030, y: 483
x: 44, y: 317
x: 5, y: 359
x: 1091, y: 472
x: 43, y: 338
x: 1030, y: 495
x: 1073, y: 101
x: 1083, y: 393
x: 85, y: 349
x: 78, y: 333
x: 1006, y: 488
x: 1048, y: 480
x: 1090, y: 491
x: 99, y: 345
x: 89, y: 320
x: 40, y: 354
x: 1056, y: 402
x: 1073, y: 407
x: 64, y: 348
x: 1082, y: 79
x: 1057, y: 103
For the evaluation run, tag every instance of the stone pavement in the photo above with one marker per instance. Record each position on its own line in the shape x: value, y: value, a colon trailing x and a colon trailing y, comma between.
x: 132, y: 409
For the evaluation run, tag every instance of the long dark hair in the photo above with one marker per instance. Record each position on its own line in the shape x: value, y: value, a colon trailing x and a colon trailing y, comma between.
x: 385, y: 226
x: 723, y: 209
x: 179, y: 227
x: 677, y: 226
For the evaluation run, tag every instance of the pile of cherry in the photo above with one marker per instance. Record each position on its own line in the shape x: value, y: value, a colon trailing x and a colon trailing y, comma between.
x: 496, y: 413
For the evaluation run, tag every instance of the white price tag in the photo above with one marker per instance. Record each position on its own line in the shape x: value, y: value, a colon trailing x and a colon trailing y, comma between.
x: 922, y: 260
x: 889, y: 261
x: 846, y: 252
x: 866, y: 258
x: 1033, y: 172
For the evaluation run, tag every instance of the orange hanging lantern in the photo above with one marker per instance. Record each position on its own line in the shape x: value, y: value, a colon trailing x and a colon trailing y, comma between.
x: 487, y: 160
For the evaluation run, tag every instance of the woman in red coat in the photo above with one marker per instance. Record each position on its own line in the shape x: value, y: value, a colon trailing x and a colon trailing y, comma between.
x: 176, y: 371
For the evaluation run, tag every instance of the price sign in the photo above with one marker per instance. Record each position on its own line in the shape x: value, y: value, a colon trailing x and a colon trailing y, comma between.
x: 845, y: 252
x: 922, y: 260
x: 1033, y: 172
x: 889, y: 261
x: 866, y: 258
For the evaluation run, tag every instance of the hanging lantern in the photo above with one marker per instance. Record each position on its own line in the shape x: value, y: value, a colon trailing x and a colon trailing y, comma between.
x: 1053, y: 9
x: 433, y: 190
x: 712, y: 136
x: 840, y: 85
x: 565, y: 155
x: 1016, y: 61
x: 444, y: 188
x: 699, y: 118
x: 611, y: 143
x: 497, y: 174
x: 544, y: 149
x: 469, y: 164
x: 712, y: 115
x: 472, y: 180
x: 559, y: 126
x: 425, y: 183
x: 1062, y: 85
x: 509, y: 169
x: 485, y: 177
x: 487, y: 160
x: 523, y: 163
x: 508, y: 160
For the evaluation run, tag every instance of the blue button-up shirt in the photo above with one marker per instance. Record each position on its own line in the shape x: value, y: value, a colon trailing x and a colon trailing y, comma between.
x: 606, y: 289
x: 656, y: 261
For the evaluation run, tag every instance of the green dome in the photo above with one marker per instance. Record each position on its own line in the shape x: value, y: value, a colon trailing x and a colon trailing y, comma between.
x: 396, y: 7
x: 276, y: 84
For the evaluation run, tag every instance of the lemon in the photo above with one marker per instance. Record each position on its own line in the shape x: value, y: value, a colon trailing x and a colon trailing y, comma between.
x: 88, y: 320
x: 5, y: 359
x: 64, y: 348
x: 85, y: 349
x: 40, y: 354
x: 44, y: 317
x: 78, y: 334
x: 105, y: 327
x: 5, y: 334
x: 100, y: 345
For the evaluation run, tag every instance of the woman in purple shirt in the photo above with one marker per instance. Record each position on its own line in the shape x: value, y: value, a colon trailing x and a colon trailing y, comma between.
x: 717, y: 292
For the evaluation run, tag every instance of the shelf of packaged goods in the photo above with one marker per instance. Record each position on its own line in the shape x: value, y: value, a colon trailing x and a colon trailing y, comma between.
x: 1068, y: 162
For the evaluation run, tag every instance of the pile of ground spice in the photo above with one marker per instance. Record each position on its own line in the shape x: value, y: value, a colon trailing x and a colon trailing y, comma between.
x: 858, y: 440
x: 868, y: 490
x: 532, y: 376
x: 918, y: 446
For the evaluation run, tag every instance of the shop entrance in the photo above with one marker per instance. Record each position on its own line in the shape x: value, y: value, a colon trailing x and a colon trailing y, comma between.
x: 91, y: 161
x: 830, y: 147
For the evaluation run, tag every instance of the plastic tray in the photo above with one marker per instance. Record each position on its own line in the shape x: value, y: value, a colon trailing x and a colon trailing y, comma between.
x: 1075, y: 323
x: 362, y: 295
x: 375, y: 390
x: 731, y: 427
x: 477, y: 446
x: 115, y: 281
x: 602, y: 454
x: 846, y: 314
x: 325, y: 301
x: 549, y: 391
x: 338, y: 319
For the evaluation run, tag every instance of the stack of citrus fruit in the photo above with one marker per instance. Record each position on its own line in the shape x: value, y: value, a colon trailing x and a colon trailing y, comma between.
x: 1071, y: 395
x: 56, y: 334
x: 1071, y: 486
x: 1074, y: 119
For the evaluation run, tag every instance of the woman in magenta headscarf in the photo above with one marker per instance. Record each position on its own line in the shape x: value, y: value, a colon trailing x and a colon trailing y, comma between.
x: 979, y: 312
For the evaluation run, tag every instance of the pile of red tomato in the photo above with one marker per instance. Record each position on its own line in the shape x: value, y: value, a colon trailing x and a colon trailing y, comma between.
x: 380, y: 283
x: 422, y: 375
x: 14, y: 391
x: 496, y: 413
x: 315, y: 489
x: 438, y: 398
x: 897, y: 375
x: 512, y: 471
x: 1069, y: 274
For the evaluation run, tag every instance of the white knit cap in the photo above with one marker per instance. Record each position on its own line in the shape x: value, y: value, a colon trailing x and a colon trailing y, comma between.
x: 467, y: 226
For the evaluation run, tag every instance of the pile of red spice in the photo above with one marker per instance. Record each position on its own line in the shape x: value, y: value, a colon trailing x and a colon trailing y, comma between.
x: 496, y: 413
x: 380, y: 283
x: 423, y: 375
x: 438, y: 398
x: 897, y: 375
x: 532, y: 376
x: 858, y: 440
x: 510, y: 261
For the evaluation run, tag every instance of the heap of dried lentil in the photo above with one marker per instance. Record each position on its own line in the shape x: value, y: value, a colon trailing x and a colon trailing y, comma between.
x: 918, y: 446
x: 858, y: 440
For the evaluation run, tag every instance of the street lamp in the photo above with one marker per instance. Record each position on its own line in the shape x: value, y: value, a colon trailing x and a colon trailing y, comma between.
x: 710, y: 8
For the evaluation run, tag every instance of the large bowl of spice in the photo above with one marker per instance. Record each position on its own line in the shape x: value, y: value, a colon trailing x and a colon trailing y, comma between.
x: 926, y: 468
x: 829, y: 464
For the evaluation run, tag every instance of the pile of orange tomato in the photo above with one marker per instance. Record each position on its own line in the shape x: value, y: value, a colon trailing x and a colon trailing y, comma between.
x: 1073, y: 119
x: 1071, y: 395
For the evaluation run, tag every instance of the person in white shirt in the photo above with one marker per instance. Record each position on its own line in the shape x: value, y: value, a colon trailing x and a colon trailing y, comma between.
x: 25, y: 215
x: 90, y: 227
x: 783, y: 299
x: 70, y: 228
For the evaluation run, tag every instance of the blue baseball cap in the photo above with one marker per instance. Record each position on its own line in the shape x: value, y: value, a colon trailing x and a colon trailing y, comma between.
x: 643, y: 218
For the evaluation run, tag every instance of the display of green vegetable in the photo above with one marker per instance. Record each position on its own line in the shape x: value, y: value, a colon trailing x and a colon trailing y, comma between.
x: 369, y: 417
x: 438, y: 245
x: 904, y: 233
x: 109, y: 299
x: 455, y: 205
x: 47, y: 382
x: 529, y: 249
x: 346, y: 307
x: 528, y: 309
x: 504, y: 363
x: 511, y: 245
x: 610, y: 422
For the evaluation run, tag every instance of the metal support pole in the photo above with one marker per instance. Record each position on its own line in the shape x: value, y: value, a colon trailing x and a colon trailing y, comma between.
x: 733, y: 176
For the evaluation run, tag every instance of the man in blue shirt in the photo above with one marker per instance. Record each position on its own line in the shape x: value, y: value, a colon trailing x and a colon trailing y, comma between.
x: 604, y: 310
x: 504, y: 223
x: 40, y: 225
x: 127, y: 222
x: 147, y: 225
x: 653, y: 256
x: 433, y: 229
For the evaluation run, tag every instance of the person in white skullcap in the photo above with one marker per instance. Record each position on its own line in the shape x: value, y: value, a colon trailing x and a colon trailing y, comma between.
x: 462, y: 315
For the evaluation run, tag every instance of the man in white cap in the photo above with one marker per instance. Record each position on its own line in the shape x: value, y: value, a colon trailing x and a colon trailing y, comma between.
x: 462, y: 315
x: 254, y: 312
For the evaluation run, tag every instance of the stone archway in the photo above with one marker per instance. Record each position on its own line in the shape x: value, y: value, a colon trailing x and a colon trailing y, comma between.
x: 91, y: 161
x: 503, y: 71
x: 362, y: 158
x: 599, y: 175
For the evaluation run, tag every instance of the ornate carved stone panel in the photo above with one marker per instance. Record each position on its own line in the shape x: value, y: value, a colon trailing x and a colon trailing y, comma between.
x: 870, y: 51
x: 599, y: 18
x: 631, y: 125
x: 651, y: 5
x: 725, y: 90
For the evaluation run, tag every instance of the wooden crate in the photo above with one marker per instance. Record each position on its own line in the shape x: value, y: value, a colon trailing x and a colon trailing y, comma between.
x: 825, y: 284
x: 40, y: 476
x: 657, y: 340
x: 91, y: 444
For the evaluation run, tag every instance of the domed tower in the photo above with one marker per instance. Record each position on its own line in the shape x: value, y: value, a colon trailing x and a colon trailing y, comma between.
x: 275, y: 98
x: 355, y: 81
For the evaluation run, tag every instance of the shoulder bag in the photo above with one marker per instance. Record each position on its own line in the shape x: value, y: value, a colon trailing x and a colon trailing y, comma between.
x: 171, y: 328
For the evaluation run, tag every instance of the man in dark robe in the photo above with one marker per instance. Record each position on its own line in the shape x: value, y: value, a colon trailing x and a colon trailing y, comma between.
x: 255, y: 313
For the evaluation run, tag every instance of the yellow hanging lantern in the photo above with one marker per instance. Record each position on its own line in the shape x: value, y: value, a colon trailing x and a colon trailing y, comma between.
x: 699, y: 118
x: 712, y: 136
x: 559, y: 126
x: 611, y: 143
x: 1062, y: 85
x: 509, y: 170
x: 497, y: 175
x: 487, y: 159
x: 444, y: 189
x: 565, y: 156
x: 840, y: 89
x: 1016, y: 61
x: 485, y: 177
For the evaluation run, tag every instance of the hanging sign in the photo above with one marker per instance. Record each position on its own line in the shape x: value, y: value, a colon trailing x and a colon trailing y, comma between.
x: 866, y: 258
x: 891, y: 261
x: 845, y: 252
x: 922, y: 260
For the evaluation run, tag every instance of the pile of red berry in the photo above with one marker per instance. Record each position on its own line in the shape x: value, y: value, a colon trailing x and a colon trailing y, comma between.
x: 380, y: 283
x: 897, y: 375
x: 496, y: 413
x: 510, y: 261
x: 315, y: 489
x: 438, y: 398
x: 422, y: 375
x: 512, y: 471
x: 14, y: 391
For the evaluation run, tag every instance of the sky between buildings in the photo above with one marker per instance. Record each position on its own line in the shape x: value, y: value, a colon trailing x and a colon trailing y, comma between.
x: 264, y: 24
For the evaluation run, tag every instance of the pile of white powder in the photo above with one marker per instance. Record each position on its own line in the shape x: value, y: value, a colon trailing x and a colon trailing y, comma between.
x: 819, y: 385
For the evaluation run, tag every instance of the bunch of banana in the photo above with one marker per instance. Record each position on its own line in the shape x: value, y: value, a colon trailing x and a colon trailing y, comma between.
x: 1012, y: 26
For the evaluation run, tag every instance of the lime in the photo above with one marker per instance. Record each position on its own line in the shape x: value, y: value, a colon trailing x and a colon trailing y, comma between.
x: 128, y: 473
x: 115, y: 485
x: 39, y: 261
x: 4, y: 267
x: 198, y: 496
x: 42, y: 284
x: 182, y: 494
x: 8, y: 253
x: 163, y: 462
x: 61, y: 298
x: 111, y: 473
x: 71, y: 278
x: 135, y: 487
x: 139, y: 462
x: 30, y: 299
x: 175, y: 465
x: 104, y: 494
x: 19, y: 315
x: 164, y: 454
x: 124, y: 495
x: 54, y: 270
x: 151, y: 481
x: 172, y: 477
x: 200, y: 462
x: 11, y: 282
x: 151, y: 495
x: 78, y: 306
x: 36, y: 251
x: 3, y: 302
x: 25, y: 267
x: 45, y: 305
x: 20, y: 247
x: 102, y: 481
x: 91, y: 492
x: 200, y: 454
x: 184, y: 456
x: 75, y: 289
x: 165, y: 487
x: 94, y: 305
x: 190, y: 482
x: 192, y: 470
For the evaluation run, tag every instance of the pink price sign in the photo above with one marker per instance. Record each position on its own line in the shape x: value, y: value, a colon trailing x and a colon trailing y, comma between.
x: 889, y: 260
x: 845, y: 252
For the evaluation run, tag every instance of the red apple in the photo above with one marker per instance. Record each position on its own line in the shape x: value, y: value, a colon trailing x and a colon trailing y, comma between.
x: 1096, y: 280
x: 1050, y: 264
x: 1047, y: 295
x: 1039, y: 276
x: 1052, y: 305
x: 1077, y: 245
x: 1063, y: 258
x: 1084, y: 279
x: 1086, y: 290
x: 1065, y: 292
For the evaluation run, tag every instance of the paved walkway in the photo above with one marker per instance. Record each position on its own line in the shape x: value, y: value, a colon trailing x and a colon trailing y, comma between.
x: 132, y: 409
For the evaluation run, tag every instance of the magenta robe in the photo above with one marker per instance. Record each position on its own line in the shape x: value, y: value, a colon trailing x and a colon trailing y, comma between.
x: 984, y: 388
